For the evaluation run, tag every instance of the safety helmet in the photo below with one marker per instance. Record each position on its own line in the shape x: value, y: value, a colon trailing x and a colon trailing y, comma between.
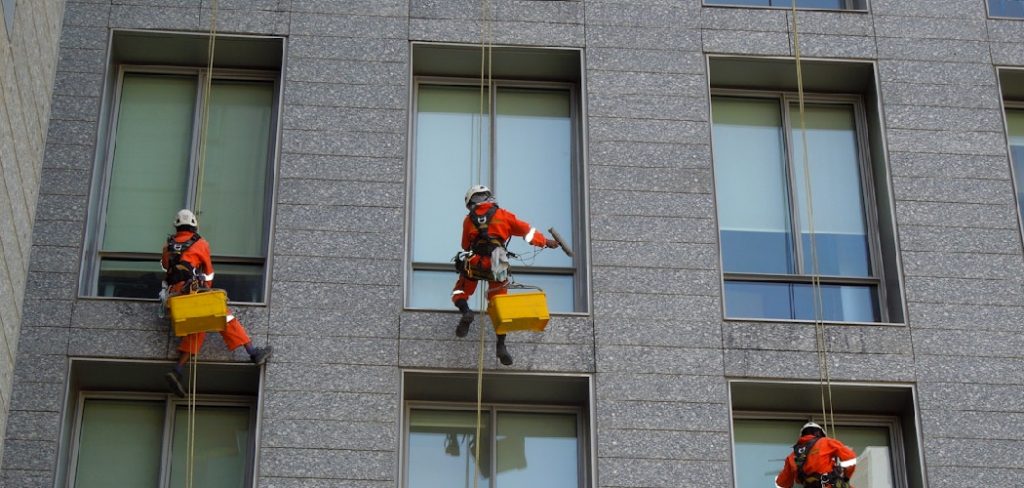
x: 811, y: 425
x: 475, y: 189
x: 185, y: 217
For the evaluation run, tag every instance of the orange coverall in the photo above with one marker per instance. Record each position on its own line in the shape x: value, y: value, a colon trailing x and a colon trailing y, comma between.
x: 503, y: 226
x: 198, y: 255
x: 819, y: 460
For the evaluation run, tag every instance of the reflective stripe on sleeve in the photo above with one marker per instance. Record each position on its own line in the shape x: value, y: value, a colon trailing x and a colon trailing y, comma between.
x: 456, y: 292
x: 208, y: 277
x: 229, y: 318
x: 777, y: 486
x: 847, y: 464
x: 529, y: 235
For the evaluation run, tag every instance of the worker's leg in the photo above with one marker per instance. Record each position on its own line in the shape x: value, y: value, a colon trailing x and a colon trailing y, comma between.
x: 234, y: 335
x: 464, y: 288
x: 495, y: 288
x: 188, y: 347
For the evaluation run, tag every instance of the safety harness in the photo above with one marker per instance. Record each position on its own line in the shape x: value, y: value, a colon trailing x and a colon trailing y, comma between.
x: 177, y: 269
x: 484, y: 245
x: 834, y: 479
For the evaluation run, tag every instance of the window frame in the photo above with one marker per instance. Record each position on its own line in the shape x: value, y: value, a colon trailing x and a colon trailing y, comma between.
x: 988, y: 13
x: 849, y: 6
x: 1015, y: 105
x: 94, y: 255
x: 581, y: 280
x: 868, y: 196
x: 891, y: 422
x: 494, y: 409
x: 171, y: 403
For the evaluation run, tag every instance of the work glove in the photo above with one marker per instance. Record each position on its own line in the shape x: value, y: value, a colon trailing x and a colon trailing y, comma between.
x: 551, y: 244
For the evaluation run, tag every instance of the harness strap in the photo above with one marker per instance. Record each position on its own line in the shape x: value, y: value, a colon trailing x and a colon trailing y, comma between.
x: 178, y: 271
x: 484, y: 243
x: 800, y: 453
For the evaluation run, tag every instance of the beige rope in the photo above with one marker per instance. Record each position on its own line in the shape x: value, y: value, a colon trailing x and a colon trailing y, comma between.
x: 821, y: 339
x: 204, y: 119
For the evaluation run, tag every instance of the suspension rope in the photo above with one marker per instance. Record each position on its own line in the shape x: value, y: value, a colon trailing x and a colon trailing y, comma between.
x: 190, y: 462
x: 204, y: 118
x: 820, y: 335
x: 483, y: 287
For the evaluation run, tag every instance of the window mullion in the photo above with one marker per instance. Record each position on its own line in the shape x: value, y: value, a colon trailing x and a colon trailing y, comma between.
x: 794, y: 194
x: 492, y: 112
x: 167, y: 450
x: 493, y: 441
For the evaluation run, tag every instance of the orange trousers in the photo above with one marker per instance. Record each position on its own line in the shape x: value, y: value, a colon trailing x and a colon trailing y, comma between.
x: 465, y: 286
x: 234, y: 336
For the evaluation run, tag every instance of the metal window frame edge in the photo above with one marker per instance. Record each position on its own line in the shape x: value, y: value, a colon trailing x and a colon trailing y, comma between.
x: 851, y: 6
x: 1006, y: 106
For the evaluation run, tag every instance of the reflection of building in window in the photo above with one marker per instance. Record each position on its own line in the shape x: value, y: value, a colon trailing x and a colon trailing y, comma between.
x: 538, y: 440
x: 528, y: 153
x: 781, y: 221
x: 151, y: 166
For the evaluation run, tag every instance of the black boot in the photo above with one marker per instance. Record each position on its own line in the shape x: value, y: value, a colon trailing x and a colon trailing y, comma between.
x: 502, y: 352
x: 260, y: 355
x: 174, y: 383
x: 467, y: 318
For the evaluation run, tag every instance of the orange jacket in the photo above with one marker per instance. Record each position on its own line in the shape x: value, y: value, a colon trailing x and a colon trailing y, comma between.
x: 819, y: 460
x: 503, y: 225
x: 198, y: 255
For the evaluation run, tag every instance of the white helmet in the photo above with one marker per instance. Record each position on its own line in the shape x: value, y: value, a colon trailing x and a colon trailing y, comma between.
x: 475, y: 189
x: 811, y: 425
x: 185, y: 217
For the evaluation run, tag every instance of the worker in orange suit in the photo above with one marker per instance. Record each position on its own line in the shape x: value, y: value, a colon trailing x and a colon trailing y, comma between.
x: 485, y: 235
x: 817, y: 461
x: 186, y: 259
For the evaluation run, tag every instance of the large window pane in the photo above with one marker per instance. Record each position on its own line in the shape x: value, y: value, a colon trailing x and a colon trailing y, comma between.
x: 1015, y: 125
x: 795, y: 301
x: 763, y: 445
x: 840, y: 230
x: 533, y: 147
x: 441, y: 449
x: 447, y: 149
x: 752, y: 187
x: 119, y: 444
x: 537, y: 450
x: 149, y: 176
x: 130, y: 278
x: 1006, y: 8
x: 235, y: 173
x: 221, y: 447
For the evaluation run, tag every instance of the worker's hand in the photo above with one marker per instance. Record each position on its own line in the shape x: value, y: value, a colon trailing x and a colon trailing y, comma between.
x: 551, y: 244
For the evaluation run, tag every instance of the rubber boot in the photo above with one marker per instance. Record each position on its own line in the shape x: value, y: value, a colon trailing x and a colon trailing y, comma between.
x: 467, y: 318
x: 260, y: 355
x: 174, y: 383
x: 502, y: 352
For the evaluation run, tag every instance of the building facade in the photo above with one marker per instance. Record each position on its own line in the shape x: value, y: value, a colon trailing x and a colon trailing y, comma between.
x: 752, y: 249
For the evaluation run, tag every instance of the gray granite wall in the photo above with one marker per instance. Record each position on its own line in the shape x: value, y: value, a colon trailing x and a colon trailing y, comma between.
x: 28, y: 60
x: 654, y: 339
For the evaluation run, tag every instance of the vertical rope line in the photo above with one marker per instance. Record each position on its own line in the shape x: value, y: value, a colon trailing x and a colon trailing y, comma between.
x: 485, y: 54
x: 821, y: 342
x: 204, y: 117
x: 190, y: 443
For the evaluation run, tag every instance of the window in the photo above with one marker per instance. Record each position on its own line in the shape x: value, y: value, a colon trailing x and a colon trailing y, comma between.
x: 808, y: 4
x: 1015, y: 130
x: 877, y: 422
x: 124, y: 429
x: 529, y: 157
x: 152, y: 169
x: 1006, y: 8
x: 532, y: 432
x: 769, y: 252
x: 148, y: 439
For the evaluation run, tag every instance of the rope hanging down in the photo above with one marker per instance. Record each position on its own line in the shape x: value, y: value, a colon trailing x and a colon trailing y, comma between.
x: 203, y: 126
x: 821, y: 338
x: 486, y: 47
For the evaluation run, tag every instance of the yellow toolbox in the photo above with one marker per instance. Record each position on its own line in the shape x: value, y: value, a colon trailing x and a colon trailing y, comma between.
x: 519, y: 311
x: 205, y: 311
